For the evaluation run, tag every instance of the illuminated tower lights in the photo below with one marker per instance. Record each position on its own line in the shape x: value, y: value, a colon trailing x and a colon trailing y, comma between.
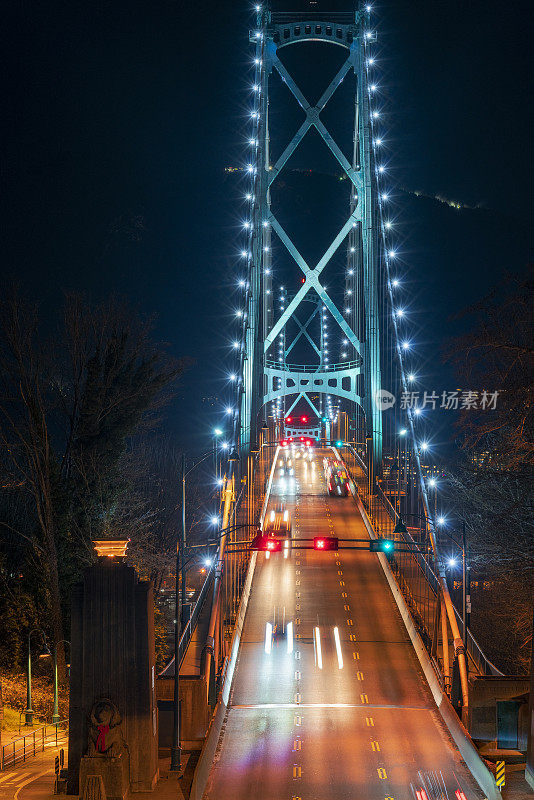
x: 390, y: 253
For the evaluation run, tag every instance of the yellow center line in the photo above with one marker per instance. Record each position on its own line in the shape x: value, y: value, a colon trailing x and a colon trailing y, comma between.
x: 382, y: 773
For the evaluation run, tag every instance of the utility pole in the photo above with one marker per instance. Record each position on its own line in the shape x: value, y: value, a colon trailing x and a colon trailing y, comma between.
x: 176, y: 748
x: 183, y: 543
x: 466, y: 582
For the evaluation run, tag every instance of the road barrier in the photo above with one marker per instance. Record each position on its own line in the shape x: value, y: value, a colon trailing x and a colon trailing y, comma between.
x: 500, y: 777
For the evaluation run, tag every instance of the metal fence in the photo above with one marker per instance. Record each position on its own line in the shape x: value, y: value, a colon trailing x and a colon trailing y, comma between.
x: 31, y: 744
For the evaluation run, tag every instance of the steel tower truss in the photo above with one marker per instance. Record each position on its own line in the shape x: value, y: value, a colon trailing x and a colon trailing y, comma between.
x: 267, y: 376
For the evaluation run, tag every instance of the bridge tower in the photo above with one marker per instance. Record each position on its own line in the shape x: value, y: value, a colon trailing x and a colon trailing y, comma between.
x: 272, y: 382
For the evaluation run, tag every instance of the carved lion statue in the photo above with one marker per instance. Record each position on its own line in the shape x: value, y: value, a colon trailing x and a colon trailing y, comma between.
x: 105, y: 734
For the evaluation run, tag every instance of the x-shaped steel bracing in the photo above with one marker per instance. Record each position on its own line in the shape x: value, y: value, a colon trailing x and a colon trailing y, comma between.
x: 304, y: 332
x: 312, y: 275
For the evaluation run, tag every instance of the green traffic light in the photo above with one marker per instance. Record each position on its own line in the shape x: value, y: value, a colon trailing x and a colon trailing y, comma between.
x: 381, y: 546
x: 339, y: 444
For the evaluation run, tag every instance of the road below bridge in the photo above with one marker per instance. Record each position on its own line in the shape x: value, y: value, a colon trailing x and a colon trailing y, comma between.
x: 330, y: 719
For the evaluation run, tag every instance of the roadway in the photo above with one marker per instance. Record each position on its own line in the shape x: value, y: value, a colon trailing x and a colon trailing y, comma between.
x: 356, y: 722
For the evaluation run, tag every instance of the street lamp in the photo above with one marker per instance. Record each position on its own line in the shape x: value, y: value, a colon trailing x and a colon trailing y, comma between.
x: 402, y: 437
x: 43, y: 653
x: 217, y: 433
x: 55, y: 714
x: 466, y: 575
x: 176, y: 749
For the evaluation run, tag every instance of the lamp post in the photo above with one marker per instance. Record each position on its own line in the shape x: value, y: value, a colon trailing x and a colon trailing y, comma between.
x: 402, y: 435
x: 55, y: 714
x: 217, y: 433
x: 180, y: 598
x: 44, y: 652
x: 433, y: 484
x: 466, y: 576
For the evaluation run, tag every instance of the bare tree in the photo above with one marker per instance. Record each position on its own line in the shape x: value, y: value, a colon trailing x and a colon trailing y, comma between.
x: 69, y: 403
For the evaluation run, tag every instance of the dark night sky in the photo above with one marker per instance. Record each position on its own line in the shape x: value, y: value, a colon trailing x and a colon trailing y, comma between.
x: 119, y: 118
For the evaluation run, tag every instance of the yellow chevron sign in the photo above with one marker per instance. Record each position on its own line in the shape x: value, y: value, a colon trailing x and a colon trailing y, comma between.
x: 499, y: 773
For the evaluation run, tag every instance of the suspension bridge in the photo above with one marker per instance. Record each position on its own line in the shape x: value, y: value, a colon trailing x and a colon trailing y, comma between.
x: 321, y: 668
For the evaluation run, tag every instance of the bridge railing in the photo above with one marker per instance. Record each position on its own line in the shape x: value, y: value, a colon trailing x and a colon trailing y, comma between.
x: 416, y: 571
x: 251, y: 482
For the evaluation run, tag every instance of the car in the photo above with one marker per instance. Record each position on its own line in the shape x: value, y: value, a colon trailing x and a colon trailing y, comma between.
x: 278, y: 522
x: 336, y: 478
x: 279, y: 631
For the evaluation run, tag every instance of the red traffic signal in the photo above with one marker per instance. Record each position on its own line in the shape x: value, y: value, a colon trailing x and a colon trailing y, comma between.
x: 272, y: 545
x: 265, y: 543
x: 325, y: 543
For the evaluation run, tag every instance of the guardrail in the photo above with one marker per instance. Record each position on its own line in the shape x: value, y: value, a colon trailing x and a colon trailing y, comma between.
x: 190, y: 626
x: 319, y: 370
x: 186, y: 634
x: 28, y: 746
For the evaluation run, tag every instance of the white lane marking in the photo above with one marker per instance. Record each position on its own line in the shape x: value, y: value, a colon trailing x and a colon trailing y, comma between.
x: 318, y: 651
x: 268, y: 637
x: 335, y: 705
x: 14, y: 777
x: 289, y: 637
x: 338, y: 648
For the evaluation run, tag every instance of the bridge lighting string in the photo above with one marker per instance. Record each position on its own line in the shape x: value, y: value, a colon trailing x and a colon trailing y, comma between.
x: 419, y: 444
x: 251, y: 171
x: 391, y: 347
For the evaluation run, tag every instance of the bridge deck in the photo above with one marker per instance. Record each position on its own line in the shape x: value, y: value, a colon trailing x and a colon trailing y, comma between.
x: 367, y: 730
